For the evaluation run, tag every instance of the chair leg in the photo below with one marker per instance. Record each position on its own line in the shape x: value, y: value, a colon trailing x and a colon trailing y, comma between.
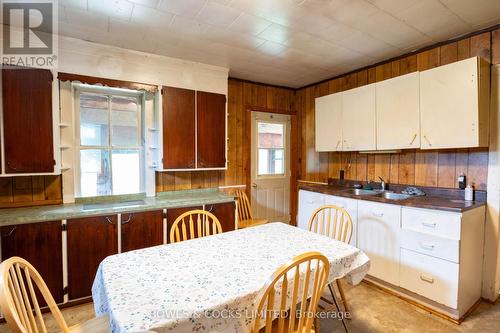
x: 342, y: 295
x: 337, y: 306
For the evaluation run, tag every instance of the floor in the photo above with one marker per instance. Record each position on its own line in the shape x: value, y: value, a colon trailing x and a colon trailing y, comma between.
x: 373, y: 311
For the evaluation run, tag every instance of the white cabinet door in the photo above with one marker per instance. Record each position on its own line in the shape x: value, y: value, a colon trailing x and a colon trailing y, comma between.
x: 358, y: 119
x: 308, y: 203
x: 378, y: 237
x: 451, y: 105
x: 351, y: 206
x: 398, y: 112
x: 328, y: 121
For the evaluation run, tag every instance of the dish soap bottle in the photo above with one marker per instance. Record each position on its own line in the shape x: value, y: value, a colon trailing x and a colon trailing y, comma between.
x: 469, y: 193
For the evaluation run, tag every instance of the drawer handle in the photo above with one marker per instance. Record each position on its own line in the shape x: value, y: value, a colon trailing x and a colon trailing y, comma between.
x: 427, y: 246
x: 377, y: 214
x: 426, y: 279
x: 429, y: 225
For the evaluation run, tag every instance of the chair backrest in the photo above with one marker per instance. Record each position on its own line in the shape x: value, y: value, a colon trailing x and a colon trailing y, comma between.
x: 244, y: 208
x: 332, y: 221
x: 194, y: 224
x: 295, y: 288
x: 18, y: 298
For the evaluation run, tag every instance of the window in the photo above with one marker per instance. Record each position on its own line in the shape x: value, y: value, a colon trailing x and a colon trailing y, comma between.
x: 111, y: 144
x: 271, y: 158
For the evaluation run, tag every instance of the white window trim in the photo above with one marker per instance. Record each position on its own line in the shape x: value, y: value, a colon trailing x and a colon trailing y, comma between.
x: 286, y: 129
x: 84, y: 88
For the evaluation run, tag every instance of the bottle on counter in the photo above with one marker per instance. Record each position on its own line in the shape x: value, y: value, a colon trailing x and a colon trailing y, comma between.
x: 469, y: 193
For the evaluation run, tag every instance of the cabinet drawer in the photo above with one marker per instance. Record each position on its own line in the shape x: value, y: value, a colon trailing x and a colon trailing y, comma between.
x: 437, y: 223
x: 430, y: 277
x: 444, y: 248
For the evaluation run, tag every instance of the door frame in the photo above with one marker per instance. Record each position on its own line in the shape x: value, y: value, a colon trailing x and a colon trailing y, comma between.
x: 294, y: 161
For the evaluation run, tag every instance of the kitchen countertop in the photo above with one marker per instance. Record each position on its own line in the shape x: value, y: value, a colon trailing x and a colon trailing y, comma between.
x: 430, y: 202
x: 16, y: 216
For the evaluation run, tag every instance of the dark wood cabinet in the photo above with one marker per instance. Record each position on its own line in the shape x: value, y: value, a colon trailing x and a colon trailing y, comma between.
x: 27, y: 120
x: 140, y: 230
x: 211, y: 130
x: 174, y: 213
x: 179, y: 123
x: 41, y: 245
x: 90, y: 240
x: 225, y: 213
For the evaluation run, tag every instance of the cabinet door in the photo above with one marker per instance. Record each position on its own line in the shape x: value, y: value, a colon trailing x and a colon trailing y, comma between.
x: 211, y: 130
x: 178, y: 128
x: 225, y: 213
x: 41, y: 245
x: 329, y: 123
x: 358, y: 119
x: 398, y: 112
x: 308, y: 203
x: 27, y: 120
x: 449, y: 105
x: 351, y: 206
x: 174, y: 213
x: 90, y: 240
x: 378, y: 237
x: 140, y: 230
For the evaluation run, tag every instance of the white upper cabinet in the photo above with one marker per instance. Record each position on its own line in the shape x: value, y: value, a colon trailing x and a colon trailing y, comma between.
x: 398, y: 118
x: 454, y: 105
x: 358, y: 119
x: 329, y: 123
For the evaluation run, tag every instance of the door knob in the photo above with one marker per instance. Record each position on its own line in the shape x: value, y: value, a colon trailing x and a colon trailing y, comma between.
x: 254, y: 185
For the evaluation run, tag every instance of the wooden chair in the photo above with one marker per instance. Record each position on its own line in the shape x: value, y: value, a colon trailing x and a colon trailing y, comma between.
x: 335, y: 222
x: 304, y: 292
x: 19, y: 303
x: 194, y: 224
x: 245, y: 216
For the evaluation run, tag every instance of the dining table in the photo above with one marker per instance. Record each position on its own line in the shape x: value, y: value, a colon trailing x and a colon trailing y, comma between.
x: 209, y: 284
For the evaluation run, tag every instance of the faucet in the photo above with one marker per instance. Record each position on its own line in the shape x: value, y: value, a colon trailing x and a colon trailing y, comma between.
x: 382, y: 184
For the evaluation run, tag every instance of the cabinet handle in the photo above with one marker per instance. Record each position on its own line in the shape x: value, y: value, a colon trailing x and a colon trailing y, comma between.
x: 337, y: 146
x: 211, y: 208
x: 128, y: 220
x: 429, y: 225
x: 109, y: 220
x: 377, y: 214
x: 426, y: 139
x: 426, y: 279
x: 10, y: 232
x: 427, y: 246
x: 413, y: 140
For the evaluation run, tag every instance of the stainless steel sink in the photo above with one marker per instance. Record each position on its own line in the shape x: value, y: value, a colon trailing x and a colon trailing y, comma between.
x: 111, y: 205
x: 395, y: 196
x: 358, y: 191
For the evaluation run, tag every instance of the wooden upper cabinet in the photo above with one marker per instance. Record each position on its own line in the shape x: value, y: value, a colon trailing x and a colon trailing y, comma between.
x: 358, y: 119
x: 27, y: 120
x: 179, y: 125
x: 140, y: 230
x: 328, y: 119
x: 398, y: 112
x: 454, y: 105
x: 211, y: 130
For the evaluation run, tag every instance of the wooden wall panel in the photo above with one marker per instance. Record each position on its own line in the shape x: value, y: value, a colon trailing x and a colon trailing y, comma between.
x: 438, y: 168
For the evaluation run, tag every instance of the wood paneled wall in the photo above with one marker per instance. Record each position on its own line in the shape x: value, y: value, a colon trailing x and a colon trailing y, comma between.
x: 30, y: 191
x: 241, y: 96
x: 438, y: 168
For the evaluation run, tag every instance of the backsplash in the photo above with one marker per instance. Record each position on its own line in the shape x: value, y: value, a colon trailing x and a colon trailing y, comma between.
x: 30, y: 191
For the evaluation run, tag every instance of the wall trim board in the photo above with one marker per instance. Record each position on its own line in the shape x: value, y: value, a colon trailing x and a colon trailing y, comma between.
x: 262, y: 83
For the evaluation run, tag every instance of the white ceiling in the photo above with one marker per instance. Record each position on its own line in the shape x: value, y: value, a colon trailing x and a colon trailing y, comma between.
x: 283, y: 42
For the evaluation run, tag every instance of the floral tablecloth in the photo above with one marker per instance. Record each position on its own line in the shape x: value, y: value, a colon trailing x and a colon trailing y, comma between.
x: 208, y: 284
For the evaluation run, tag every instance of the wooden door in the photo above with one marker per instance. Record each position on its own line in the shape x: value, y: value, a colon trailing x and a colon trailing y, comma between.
x: 140, y: 230
x: 178, y: 128
x: 225, y: 213
x: 358, y: 119
x: 27, y: 120
x: 211, y: 130
x: 41, y: 245
x: 328, y: 119
x: 398, y: 112
x: 174, y: 213
x: 90, y: 240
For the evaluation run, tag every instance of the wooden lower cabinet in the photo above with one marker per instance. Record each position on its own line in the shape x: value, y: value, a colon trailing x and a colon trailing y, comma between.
x: 225, y: 213
x: 90, y: 240
x: 140, y: 230
x: 41, y: 245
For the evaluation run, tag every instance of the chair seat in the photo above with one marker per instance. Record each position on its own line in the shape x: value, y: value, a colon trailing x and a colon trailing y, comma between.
x: 251, y: 223
x: 96, y: 325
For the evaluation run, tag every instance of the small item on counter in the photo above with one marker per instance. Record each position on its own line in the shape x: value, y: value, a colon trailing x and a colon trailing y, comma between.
x: 358, y: 186
x: 368, y: 186
x: 413, y: 191
x: 469, y: 193
x: 341, y: 175
x: 462, y: 181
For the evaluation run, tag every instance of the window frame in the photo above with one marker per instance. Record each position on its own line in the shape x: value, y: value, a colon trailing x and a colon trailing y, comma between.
x: 79, y: 89
x: 284, y: 161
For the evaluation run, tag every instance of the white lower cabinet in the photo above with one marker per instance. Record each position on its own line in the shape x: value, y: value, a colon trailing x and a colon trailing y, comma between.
x: 378, y: 237
x: 308, y: 203
x: 351, y: 206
